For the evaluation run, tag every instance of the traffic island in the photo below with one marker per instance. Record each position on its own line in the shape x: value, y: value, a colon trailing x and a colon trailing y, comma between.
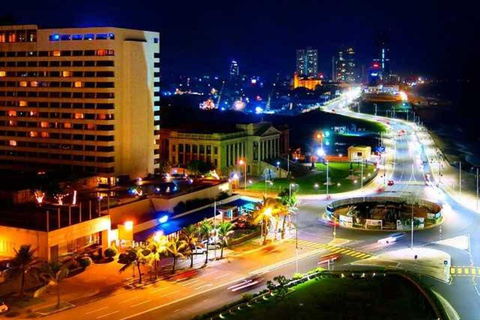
x: 429, y: 262
x: 384, y: 213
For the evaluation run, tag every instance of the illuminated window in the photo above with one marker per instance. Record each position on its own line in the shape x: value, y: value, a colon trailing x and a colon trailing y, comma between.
x: 44, y: 124
x: 12, y: 37
x: 78, y: 84
x: 54, y: 37
x: 56, y: 53
x: 34, y: 84
x: 45, y: 134
x: 13, y: 143
x: 67, y: 125
x: 111, y: 36
x: 90, y: 126
x: 12, y: 123
x: 2, y: 37
x: 77, y: 37
x: 3, y: 73
x: 101, y: 52
x: 23, y: 103
x: 33, y: 114
x: 89, y: 37
x: 101, y: 116
x: 33, y: 134
x: 23, y: 83
x: 12, y: 113
x: 66, y: 74
x: 78, y: 115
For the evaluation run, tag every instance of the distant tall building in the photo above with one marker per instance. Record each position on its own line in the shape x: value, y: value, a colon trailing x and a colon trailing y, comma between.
x: 234, y: 70
x: 80, y: 99
x: 382, y: 54
x: 307, y: 62
x: 345, y: 67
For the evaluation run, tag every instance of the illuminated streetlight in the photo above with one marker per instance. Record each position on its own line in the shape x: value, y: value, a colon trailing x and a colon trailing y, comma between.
x: 244, y: 163
x: 321, y: 152
x: 128, y: 225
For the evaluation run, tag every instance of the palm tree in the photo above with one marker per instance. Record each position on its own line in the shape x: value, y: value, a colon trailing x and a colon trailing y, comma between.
x: 270, y: 209
x: 176, y: 248
x: 290, y: 202
x: 157, y: 247
x: 189, y: 234
x: 205, y: 230
x: 224, y: 231
x: 134, y: 257
x: 23, y: 262
x: 52, y: 273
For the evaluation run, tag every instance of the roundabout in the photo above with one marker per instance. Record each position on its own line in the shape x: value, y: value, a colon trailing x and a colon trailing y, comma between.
x: 384, y: 213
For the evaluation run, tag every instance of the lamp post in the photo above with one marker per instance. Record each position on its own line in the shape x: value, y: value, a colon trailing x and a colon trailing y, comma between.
x: 328, y: 182
x: 244, y: 163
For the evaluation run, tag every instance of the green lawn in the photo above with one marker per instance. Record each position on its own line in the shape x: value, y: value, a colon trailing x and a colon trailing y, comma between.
x: 314, y: 183
x: 382, y: 298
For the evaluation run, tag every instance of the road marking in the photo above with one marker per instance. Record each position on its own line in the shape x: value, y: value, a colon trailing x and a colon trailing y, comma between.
x: 96, y: 310
x: 187, y: 284
x: 128, y: 300
x: 223, y: 275
x: 207, y: 285
x: 158, y: 290
x: 108, y: 314
x: 203, y: 275
x: 170, y: 293
x: 139, y: 304
x: 177, y: 310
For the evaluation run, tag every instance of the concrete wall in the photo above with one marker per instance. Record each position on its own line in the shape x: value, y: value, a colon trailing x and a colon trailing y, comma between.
x: 161, y: 204
x: 12, y: 238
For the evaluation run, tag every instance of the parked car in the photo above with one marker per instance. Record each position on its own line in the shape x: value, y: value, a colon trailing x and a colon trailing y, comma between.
x: 199, y: 250
x: 3, y: 307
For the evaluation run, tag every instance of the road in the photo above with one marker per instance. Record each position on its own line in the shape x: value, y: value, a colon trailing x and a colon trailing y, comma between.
x: 208, y: 290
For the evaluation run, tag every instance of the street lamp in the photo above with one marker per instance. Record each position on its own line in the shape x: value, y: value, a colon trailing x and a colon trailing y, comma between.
x: 244, y: 163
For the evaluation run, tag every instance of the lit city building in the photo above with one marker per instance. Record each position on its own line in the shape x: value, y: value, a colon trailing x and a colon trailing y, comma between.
x: 307, y: 62
x: 345, y: 67
x: 309, y: 83
x: 382, y: 52
x: 224, y: 147
x: 79, y: 99
x: 234, y: 70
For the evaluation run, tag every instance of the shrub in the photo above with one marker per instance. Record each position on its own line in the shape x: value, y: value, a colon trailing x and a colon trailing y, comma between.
x: 85, y: 262
x: 110, y: 252
x: 247, y: 296
x: 297, y: 276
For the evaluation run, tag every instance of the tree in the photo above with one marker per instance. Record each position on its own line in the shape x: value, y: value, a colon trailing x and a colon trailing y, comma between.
x: 52, y: 273
x: 205, y: 230
x: 189, y: 234
x: 157, y: 247
x: 270, y: 209
x: 134, y: 257
x: 224, y: 231
x: 199, y: 166
x: 280, y: 288
x: 23, y: 262
x: 110, y: 253
x: 175, y: 248
x: 290, y: 203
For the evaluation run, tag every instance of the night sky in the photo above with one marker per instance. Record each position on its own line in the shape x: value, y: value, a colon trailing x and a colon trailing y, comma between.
x: 201, y: 37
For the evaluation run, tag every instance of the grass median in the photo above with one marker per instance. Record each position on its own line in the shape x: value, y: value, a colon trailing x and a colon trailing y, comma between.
x: 340, y: 174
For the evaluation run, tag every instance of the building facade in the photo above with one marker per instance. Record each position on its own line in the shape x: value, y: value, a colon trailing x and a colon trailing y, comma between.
x: 80, y: 99
x: 307, y: 62
x: 345, y: 67
x: 254, y: 143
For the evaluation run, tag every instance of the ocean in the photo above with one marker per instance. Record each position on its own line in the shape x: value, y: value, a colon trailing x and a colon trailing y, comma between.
x: 454, y: 120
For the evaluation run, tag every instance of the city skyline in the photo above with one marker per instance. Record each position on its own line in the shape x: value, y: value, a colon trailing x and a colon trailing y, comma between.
x: 435, y: 43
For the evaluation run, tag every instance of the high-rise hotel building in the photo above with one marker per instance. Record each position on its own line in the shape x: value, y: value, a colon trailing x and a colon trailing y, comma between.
x: 81, y: 99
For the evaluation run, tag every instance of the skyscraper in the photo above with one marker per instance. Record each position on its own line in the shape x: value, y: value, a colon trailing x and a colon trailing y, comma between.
x: 382, y: 54
x: 234, y: 70
x: 307, y: 62
x: 80, y: 99
x: 345, y: 66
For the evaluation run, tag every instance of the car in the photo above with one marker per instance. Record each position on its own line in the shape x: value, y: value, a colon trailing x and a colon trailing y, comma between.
x: 391, y: 239
x: 3, y: 307
x: 199, y: 250
x: 246, y: 284
x: 390, y: 183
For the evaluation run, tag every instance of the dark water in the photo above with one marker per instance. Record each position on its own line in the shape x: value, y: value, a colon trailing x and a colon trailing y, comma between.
x: 456, y: 118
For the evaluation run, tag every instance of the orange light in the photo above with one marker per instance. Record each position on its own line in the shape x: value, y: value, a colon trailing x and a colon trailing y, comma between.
x: 12, y: 113
x: 23, y: 83
x: 33, y: 134
x: 34, y: 84
x: 78, y: 115
x: 241, y: 162
x: 45, y: 134
x: 44, y: 124
x: 3, y: 74
x: 128, y: 225
x: 23, y: 103
x: 67, y: 125
x: 66, y: 74
x: 78, y: 84
x: 13, y: 143
x: 56, y: 53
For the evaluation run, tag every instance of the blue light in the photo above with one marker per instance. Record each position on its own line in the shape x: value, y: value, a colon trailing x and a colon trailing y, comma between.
x: 54, y: 37
x: 222, y: 108
x: 258, y: 110
x: 327, y: 134
x: 163, y: 219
